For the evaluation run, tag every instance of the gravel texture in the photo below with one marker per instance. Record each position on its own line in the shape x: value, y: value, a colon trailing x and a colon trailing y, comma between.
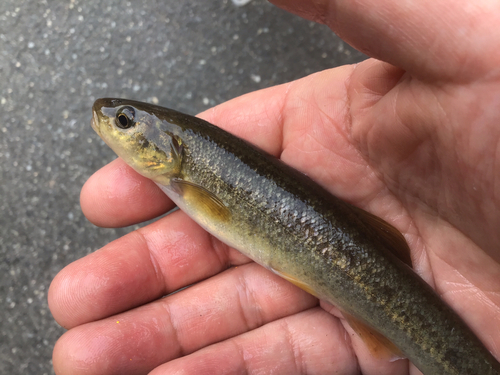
x: 56, y: 58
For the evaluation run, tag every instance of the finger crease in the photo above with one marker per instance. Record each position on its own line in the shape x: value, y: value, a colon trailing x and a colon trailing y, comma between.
x: 220, y: 249
x: 174, y: 333
x: 155, y: 264
x: 295, y: 350
x: 244, y: 361
x: 250, y: 310
x: 282, y: 119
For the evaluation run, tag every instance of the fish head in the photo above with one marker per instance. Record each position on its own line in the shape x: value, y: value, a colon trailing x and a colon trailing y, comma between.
x: 139, y: 135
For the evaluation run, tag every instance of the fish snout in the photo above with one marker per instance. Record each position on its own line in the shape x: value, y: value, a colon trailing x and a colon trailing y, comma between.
x: 95, y: 122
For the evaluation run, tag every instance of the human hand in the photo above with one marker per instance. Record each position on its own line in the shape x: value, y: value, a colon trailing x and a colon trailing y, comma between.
x: 415, y: 145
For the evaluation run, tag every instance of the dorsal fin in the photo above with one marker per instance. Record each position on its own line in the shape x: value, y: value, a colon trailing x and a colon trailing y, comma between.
x: 392, y: 238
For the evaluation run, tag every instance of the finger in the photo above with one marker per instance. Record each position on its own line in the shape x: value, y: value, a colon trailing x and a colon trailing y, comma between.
x: 117, y: 196
x: 256, y: 117
x: 312, y: 342
x: 140, y: 267
x: 438, y: 40
x: 139, y: 340
x: 308, y: 116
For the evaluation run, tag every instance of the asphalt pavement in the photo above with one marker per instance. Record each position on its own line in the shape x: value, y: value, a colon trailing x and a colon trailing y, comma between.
x: 56, y: 58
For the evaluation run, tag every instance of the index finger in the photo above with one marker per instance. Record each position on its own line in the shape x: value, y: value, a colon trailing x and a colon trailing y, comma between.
x: 438, y: 40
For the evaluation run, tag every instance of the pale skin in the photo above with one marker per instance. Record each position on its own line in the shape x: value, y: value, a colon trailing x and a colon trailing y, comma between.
x: 414, y: 140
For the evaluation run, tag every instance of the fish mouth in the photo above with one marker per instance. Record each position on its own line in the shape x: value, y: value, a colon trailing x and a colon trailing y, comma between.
x: 95, y: 122
x: 103, y: 109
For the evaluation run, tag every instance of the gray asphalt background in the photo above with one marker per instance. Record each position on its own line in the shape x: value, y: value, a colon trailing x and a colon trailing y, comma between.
x: 56, y: 58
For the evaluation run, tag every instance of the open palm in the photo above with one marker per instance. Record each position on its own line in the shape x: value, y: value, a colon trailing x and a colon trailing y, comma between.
x: 417, y: 145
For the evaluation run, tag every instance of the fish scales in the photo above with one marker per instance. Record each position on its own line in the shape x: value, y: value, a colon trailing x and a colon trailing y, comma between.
x: 246, y: 181
x: 283, y: 220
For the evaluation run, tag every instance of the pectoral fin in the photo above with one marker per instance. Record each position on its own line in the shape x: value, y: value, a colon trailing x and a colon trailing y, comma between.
x: 390, y: 236
x: 201, y: 199
x: 378, y: 345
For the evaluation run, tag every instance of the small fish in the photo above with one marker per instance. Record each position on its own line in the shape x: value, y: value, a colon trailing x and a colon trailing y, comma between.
x: 286, y: 222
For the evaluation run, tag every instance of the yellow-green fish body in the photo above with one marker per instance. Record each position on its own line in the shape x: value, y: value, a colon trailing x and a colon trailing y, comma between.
x: 288, y: 223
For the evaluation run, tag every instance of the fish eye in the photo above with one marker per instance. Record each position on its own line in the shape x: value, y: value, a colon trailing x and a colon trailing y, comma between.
x: 125, y: 117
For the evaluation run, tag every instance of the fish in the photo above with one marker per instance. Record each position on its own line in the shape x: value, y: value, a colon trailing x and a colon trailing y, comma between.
x: 286, y: 222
